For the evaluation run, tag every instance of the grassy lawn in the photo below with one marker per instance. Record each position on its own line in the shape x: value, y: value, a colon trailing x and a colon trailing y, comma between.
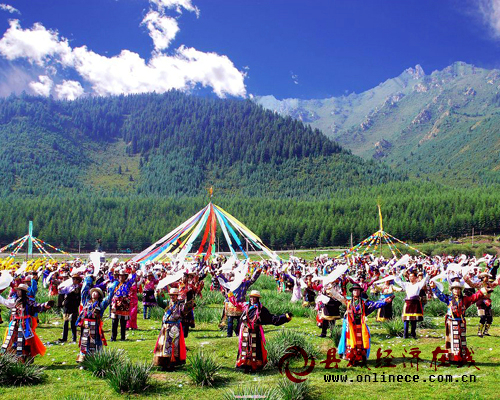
x: 67, y: 380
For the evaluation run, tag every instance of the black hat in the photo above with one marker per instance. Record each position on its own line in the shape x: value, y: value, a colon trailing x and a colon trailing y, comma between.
x: 355, y: 286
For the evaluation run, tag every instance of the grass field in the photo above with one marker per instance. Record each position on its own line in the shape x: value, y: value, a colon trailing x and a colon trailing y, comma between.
x: 66, y: 380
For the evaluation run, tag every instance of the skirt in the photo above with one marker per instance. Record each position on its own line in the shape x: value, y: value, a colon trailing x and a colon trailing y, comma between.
x: 412, y: 310
x: 456, y: 340
x: 384, y: 313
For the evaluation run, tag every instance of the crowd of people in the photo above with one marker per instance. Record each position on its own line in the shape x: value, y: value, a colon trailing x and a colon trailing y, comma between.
x: 339, y: 289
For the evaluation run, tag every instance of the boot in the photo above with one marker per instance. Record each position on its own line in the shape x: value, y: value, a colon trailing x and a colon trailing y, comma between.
x: 486, y: 327
x: 480, y: 330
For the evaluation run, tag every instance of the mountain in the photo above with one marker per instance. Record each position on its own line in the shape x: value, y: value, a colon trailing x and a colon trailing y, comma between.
x: 443, y: 126
x: 170, y: 144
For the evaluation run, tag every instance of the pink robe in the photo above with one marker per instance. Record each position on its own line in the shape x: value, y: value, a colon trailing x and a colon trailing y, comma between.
x: 134, y: 303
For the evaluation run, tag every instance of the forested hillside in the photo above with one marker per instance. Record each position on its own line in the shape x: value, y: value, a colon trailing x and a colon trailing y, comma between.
x: 171, y: 144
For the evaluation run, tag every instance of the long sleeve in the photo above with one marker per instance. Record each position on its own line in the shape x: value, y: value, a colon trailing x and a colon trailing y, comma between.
x: 475, y: 297
x: 105, y: 303
x: 374, y: 305
x: 266, y: 318
x: 440, y: 295
x: 87, y: 285
x: 9, y: 303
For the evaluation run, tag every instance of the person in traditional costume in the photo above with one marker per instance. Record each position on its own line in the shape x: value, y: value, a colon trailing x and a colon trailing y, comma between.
x: 90, y: 318
x: 456, y: 327
x: 310, y: 289
x: 355, y: 341
x: 21, y: 338
x: 71, y: 304
x: 413, y: 311
x: 148, y: 294
x: 386, y: 290
x: 252, y: 354
x: 328, y: 310
x: 170, y: 348
x: 483, y: 304
x: 134, y: 305
x: 233, y: 313
x: 120, y: 303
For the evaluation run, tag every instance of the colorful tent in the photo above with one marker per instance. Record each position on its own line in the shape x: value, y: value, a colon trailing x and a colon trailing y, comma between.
x: 30, y: 240
x: 376, y: 241
x: 179, y: 242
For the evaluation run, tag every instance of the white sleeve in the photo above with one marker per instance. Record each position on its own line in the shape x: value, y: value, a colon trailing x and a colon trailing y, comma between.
x: 9, y: 303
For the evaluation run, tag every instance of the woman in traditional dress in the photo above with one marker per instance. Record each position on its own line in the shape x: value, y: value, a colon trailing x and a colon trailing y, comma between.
x: 148, y: 294
x: 386, y: 290
x: 252, y: 354
x: 90, y: 319
x: 134, y: 305
x: 456, y: 328
x: 21, y: 338
x: 413, y: 311
x: 170, y: 348
x: 355, y: 338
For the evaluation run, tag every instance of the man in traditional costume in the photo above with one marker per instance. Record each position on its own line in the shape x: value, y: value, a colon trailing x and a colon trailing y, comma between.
x: 355, y: 338
x: 90, y: 319
x: 170, y: 348
x: 21, y: 338
x: 120, y: 303
x: 252, y: 354
x: 71, y: 304
x: 456, y: 328
x: 328, y: 311
x: 484, y: 305
x: 413, y: 311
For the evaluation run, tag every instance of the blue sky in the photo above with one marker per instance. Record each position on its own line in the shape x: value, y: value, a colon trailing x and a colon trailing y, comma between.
x: 304, y: 49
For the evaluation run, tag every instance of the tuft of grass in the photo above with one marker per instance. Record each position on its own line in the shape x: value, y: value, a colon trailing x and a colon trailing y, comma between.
x: 252, y: 391
x: 16, y: 373
x: 394, y: 327
x: 427, y: 323
x: 208, y: 314
x: 101, y: 363
x: 277, y: 346
x: 129, y: 377
x: 157, y: 313
x: 288, y: 390
x: 203, y: 369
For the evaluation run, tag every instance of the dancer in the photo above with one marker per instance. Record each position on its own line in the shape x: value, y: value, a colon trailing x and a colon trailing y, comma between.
x: 355, y: 339
x: 21, y: 338
x: 148, y: 294
x: 170, y: 348
x: 387, y: 290
x: 134, y: 305
x: 71, y: 303
x: 252, y: 354
x: 328, y: 311
x: 90, y: 319
x: 120, y: 303
x: 412, y: 310
x: 456, y: 327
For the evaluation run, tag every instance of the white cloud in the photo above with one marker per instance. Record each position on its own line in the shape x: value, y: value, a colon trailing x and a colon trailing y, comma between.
x: 69, y: 90
x: 176, y: 5
x: 36, y: 44
x: 295, y: 78
x: 126, y: 72
x: 9, y: 8
x: 162, y: 29
x: 490, y: 10
x: 43, y: 86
